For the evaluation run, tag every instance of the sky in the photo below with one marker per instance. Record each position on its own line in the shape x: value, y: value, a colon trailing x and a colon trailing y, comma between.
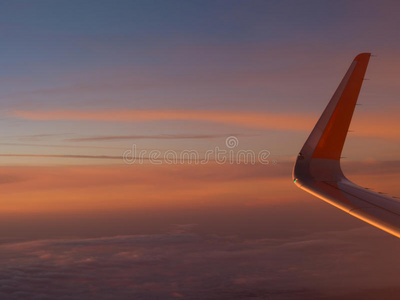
x: 109, y: 111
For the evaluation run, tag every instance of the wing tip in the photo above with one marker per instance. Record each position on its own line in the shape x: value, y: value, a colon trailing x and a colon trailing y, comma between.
x: 327, y: 139
x: 362, y: 56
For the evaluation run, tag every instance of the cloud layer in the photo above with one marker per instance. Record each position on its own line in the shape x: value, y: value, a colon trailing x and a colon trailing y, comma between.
x: 185, y: 265
x: 385, y: 125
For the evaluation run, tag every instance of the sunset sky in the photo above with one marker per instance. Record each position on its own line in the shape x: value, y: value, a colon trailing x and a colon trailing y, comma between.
x: 83, y: 82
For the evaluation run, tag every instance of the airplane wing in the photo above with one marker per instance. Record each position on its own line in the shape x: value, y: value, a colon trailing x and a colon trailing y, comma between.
x: 317, y: 169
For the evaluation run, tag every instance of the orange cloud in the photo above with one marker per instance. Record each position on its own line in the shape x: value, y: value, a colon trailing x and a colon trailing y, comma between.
x: 106, y: 188
x: 159, y: 187
x: 246, y: 119
x: 378, y: 125
x: 384, y: 125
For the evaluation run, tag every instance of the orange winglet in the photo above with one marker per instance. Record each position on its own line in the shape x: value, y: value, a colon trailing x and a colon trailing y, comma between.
x: 332, y: 140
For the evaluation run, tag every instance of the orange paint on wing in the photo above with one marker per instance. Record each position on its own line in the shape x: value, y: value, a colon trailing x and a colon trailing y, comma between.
x: 331, y: 143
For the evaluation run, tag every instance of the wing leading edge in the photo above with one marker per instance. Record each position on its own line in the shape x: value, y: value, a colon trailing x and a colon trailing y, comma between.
x: 317, y: 169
